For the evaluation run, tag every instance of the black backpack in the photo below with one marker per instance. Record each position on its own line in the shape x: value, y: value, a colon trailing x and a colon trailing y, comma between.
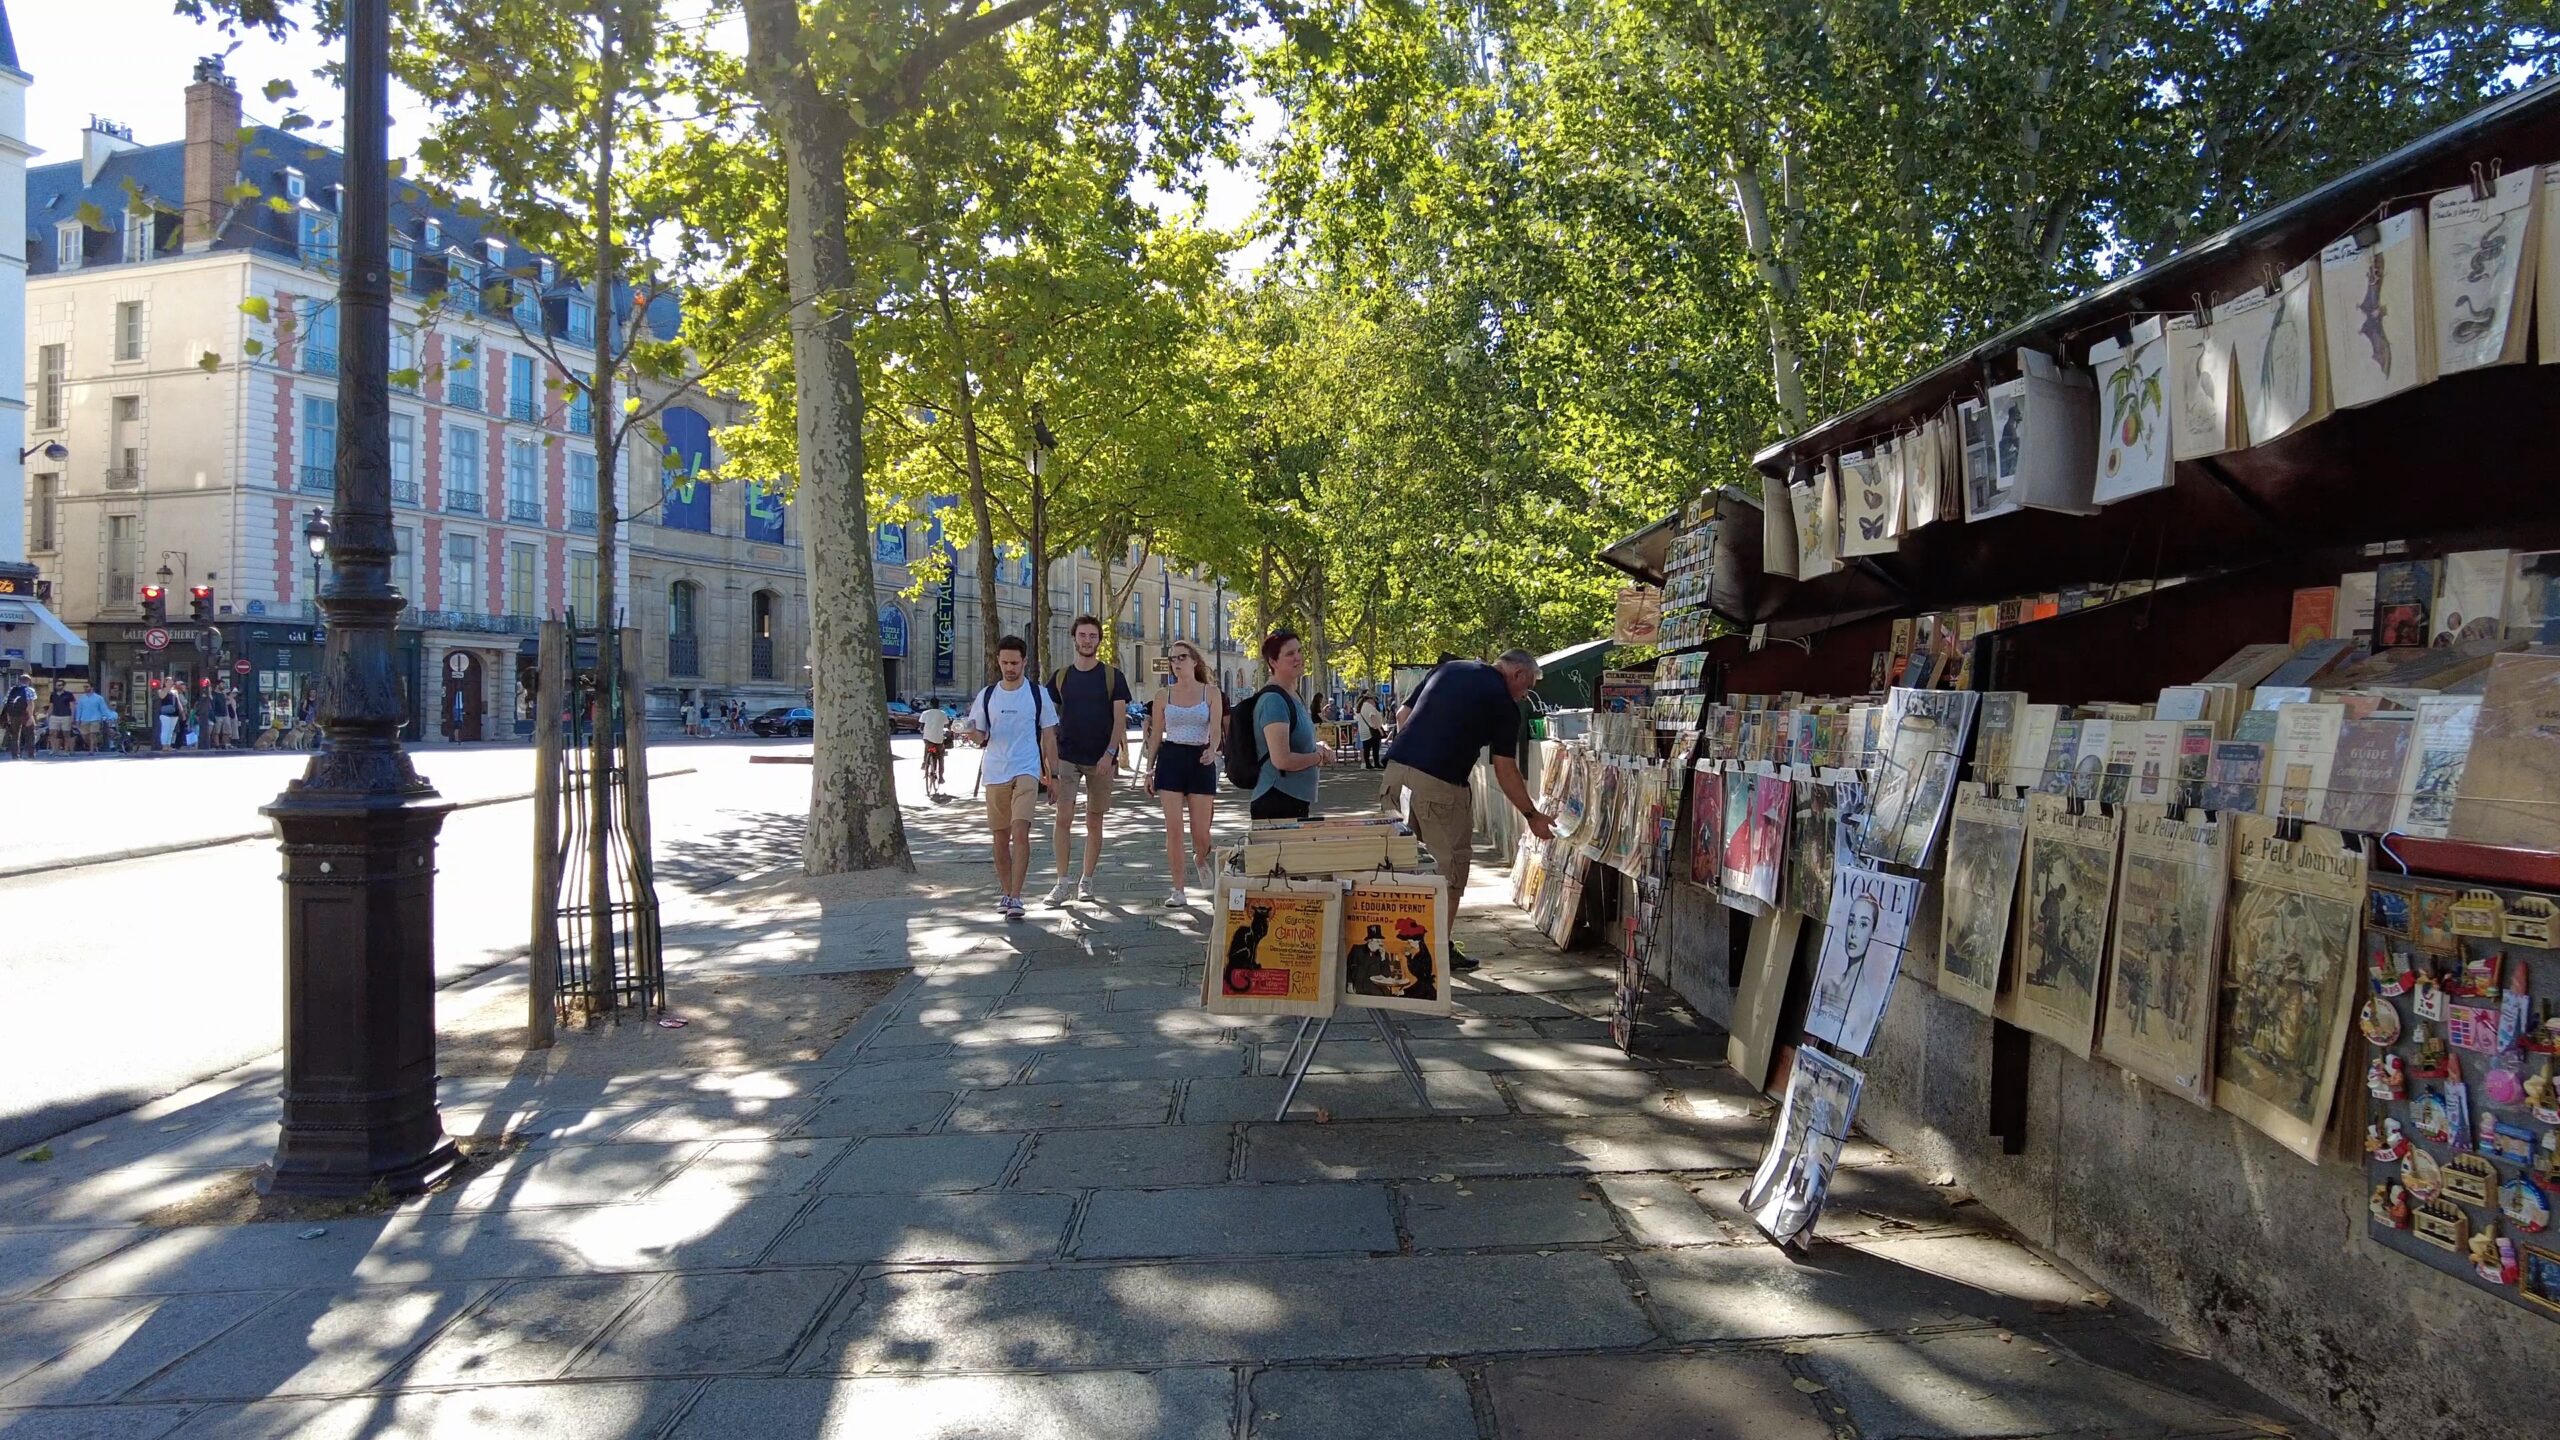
x: 1241, y: 756
x: 1039, y: 694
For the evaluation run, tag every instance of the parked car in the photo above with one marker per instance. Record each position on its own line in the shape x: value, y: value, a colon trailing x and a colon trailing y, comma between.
x: 903, y: 719
x: 785, y: 720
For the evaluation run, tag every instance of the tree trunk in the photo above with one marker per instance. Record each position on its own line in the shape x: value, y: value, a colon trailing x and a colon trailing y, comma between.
x: 965, y: 390
x: 853, y: 800
x: 610, y: 434
x: 1785, y: 360
x: 1110, y: 617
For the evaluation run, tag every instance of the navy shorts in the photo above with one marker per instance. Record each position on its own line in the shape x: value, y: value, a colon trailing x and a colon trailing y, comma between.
x: 1184, y: 770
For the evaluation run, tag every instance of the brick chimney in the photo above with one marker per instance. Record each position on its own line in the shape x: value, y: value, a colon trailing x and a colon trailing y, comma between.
x: 213, y: 152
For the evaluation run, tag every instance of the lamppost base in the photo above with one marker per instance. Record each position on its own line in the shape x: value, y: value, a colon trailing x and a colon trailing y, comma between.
x: 359, y: 1047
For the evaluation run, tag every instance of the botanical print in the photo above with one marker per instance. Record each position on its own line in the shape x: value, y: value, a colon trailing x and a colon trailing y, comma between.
x: 2477, y: 251
x: 1864, y: 936
x: 1924, y: 739
x: 1276, y: 948
x: 1985, y: 840
x: 1786, y: 1194
x: 2161, y: 982
x: 2133, y: 432
x: 1755, y: 850
x: 1394, y: 939
x: 2289, y: 982
x: 2068, y: 888
x: 2199, y: 390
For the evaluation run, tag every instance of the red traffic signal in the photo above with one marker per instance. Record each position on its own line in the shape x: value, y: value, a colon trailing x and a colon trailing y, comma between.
x: 200, y: 602
x: 155, y: 603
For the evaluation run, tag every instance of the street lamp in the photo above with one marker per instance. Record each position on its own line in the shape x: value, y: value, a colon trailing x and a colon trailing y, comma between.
x: 315, y: 534
x: 53, y: 450
x: 358, y: 829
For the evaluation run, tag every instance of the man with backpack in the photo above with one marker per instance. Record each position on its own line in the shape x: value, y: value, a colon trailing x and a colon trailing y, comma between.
x: 1015, y: 721
x: 1093, y: 723
x: 1463, y: 709
x: 18, y: 718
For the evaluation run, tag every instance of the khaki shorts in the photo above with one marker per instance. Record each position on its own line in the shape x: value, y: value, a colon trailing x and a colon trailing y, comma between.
x: 1013, y: 802
x: 1444, y: 820
x: 1094, y: 780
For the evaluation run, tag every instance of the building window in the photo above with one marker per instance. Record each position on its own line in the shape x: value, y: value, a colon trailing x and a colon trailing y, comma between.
x: 684, y: 643
x: 582, y: 585
x: 124, y: 534
x: 404, y: 359
x: 404, y: 458
x: 43, y: 516
x: 129, y: 330
x: 1087, y: 607
x: 524, y: 473
x: 582, y: 490
x: 528, y: 308
x: 462, y: 375
x: 1138, y: 619
x: 404, y: 563
x: 520, y: 573
x: 318, y: 238
x: 294, y: 186
x: 69, y: 242
x: 138, y: 236
x: 124, y: 440
x: 582, y: 411
x: 463, y: 459
x: 319, y: 443
x: 461, y: 280
x: 320, y: 337
x: 49, y: 365
x: 523, y: 401
x: 462, y: 572
x: 578, y: 319
x: 760, y: 638
x: 404, y: 262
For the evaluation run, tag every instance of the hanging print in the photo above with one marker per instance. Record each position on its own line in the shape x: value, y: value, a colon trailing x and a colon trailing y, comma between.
x: 1864, y: 937
x: 2374, y: 285
x: 2161, y: 985
x: 1275, y: 949
x: 2478, y: 250
x: 2289, y: 983
x: 1985, y: 840
x: 1706, y: 824
x: 2068, y: 891
x: 2133, y: 438
x: 1755, y: 849
x: 1395, y: 936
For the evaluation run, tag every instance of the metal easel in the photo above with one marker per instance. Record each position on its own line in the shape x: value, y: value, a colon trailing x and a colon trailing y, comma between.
x: 1304, y: 1045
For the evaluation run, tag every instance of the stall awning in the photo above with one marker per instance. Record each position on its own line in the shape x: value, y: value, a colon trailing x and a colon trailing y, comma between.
x: 30, y: 635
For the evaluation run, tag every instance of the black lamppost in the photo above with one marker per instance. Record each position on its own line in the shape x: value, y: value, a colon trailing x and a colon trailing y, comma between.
x: 359, y: 828
x: 315, y: 534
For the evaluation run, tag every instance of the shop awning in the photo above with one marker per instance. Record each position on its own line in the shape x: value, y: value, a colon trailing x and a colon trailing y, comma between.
x: 1571, y: 676
x: 30, y: 635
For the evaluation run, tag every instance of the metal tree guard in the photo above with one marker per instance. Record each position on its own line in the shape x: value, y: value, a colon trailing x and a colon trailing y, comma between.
x: 597, y: 951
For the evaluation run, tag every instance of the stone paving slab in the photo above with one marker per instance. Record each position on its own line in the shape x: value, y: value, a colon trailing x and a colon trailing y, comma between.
x: 1424, y: 1149
x: 313, y: 1342
x: 1210, y: 1222
x: 30, y: 1259
x: 733, y: 1324
x: 1484, y: 1214
x: 1757, y: 1292
x: 1659, y: 1210
x: 618, y: 1410
x: 923, y: 1164
x: 109, y: 1198
x: 569, y: 1175
x: 882, y: 1229
x: 1084, y: 980
x: 1148, y: 1316
x: 110, y: 1359
x: 754, y: 1167
x: 973, y: 1071
x: 1162, y: 1405
x: 1132, y: 1062
x: 1341, y: 1097
x: 1066, y: 1106
x: 124, y: 1422
x: 1949, y: 1387
x: 1148, y: 1156
x: 1409, y: 1404
x: 35, y: 1331
x: 866, y: 1111
x: 528, y: 1331
x: 1747, y: 1396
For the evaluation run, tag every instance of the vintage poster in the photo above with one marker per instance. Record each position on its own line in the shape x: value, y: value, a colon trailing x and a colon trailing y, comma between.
x: 1985, y: 839
x: 1639, y: 615
x: 2167, y: 957
x: 1706, y: 824
x: 1395, y: 942
x: 2289, y: 980
x: 1785, y: 1196
x: 1769, y: 961
x: 1755, y: 850
x: 1864, y: 935
x: 1276, y: 949
x: 2066, y: 895
x: 1924, y: 737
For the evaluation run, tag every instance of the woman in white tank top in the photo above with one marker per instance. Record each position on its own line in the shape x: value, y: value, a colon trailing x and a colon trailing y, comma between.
x: 1184, y: 727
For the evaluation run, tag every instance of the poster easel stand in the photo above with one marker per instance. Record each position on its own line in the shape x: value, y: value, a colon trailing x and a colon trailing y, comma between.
x: 1302, y: 1057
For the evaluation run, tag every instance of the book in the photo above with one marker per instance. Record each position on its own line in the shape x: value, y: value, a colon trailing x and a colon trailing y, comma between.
x: 2124, y: 753
x: 2355, y: 608
x: 2437, y: 758
x: 2306, y: 665
x: 2315, y: 615
x: 2089, y: 767
x: 2155, y: 763
x: 2509, y: 793
x: 2533, y: 576
x: 2248, y: 665
x: 2270, y: 697
x: 2031, y: 745
x: 2183, y: 702
x: 2420, y: 667
x: 2404, y: 603
x: 2060, y: 758
x: 2195, y: 761
x: 2471, y: 598
x: 2258, y: 727
x: 2364, y: 784
x: 2236, y: 776
x: 2305, y: 750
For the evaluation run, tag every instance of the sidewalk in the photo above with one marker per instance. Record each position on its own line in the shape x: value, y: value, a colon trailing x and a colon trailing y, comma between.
x: 1036, y: 1192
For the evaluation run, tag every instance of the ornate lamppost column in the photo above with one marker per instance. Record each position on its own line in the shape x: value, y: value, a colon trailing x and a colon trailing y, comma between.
x: 359, y: 828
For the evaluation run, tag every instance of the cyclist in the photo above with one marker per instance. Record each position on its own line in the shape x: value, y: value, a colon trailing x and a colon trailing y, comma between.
x: 935, y: 725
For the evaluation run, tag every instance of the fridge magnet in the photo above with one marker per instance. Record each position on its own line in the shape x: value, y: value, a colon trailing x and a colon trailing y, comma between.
x: 2428, y: 997
x: 2289, y: 993
x: 2493, y: 1258
x: 2525, y: 1206
x: 2383, y: 1141
x: 2538, y: 1276
x: 2380, y: 1021
x: 2542, y: 1095
x: 2505, y: 1140
x: 2431, y: 921
x: 2473, y: 1027
x: 2420, y: 1172
x: 2503, y: 1085
x: 2434, y: 1062
x: 2546, y: 1157
x: 2477, y: 915
x: 2390, y: 973
x: 2529, y: 921
x: 2388, y: 911
x: 2478, y: 977
x: 2386, y: 1078
x: 2390, y: 1205
x: 2471, y: 1180
x: 2431, y: 1116
x: 2440, y: 1224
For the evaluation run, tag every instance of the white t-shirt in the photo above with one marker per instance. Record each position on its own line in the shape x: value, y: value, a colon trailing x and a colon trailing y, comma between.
x: 1005, y: 718
x: 934, y: 724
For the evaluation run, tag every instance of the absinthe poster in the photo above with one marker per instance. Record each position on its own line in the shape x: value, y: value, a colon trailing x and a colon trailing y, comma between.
x: 1864, y: 936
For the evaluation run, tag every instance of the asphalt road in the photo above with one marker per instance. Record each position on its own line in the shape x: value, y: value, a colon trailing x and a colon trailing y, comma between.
x: 131, y: 979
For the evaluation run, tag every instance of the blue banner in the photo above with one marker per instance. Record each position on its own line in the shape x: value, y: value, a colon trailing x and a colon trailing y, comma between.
x: 946, y: 635
x: 688, y: 454
x: 764, y: 512
x: 893, y: 632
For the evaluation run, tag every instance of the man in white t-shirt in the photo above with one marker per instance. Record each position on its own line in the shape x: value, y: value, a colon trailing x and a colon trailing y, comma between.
x: 1016, y: 720
x: 934, y: 728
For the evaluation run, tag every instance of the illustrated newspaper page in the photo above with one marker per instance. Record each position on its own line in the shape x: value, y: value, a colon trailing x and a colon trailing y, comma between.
x: 2167, y: 959
x: 2289, y: 981
x: 1985, y: 840
x: 2067, y: 892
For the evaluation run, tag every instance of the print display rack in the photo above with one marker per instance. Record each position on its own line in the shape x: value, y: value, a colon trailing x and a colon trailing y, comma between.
x: 1310, y: 1038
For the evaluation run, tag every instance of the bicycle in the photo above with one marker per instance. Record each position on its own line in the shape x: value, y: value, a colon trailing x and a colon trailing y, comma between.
x: 935, y: 757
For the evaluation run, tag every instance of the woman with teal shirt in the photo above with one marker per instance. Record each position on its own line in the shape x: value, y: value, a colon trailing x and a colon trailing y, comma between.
x: 1286, y: 787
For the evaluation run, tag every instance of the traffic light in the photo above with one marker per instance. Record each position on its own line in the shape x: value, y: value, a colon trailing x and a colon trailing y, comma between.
x: 200, y: 603
x: 155, y: 604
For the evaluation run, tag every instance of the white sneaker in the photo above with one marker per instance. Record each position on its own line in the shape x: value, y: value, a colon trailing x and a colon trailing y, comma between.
x: 1084, y: 891
x: 1059, y: 892
x: 1180, y: 899
x: 1007, y: 906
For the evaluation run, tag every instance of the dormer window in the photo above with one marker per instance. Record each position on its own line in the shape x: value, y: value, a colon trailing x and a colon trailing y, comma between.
x: 528, y: 307
x: 337, y: 198
x: 461, y: 278
x: 318, y: 237
x: 137, y: 236
x: 547, y: 273
x: 294, y: 188
x: 497, y: 254
x: 67, y: 245
x: 403, y: 261
x: 430, y: 233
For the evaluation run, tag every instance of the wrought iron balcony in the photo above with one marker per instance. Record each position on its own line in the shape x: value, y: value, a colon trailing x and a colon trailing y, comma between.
x: 526, y: 511
x: 582, y: 422
x: 404, y: 492
x: 473, y: 622
x: 318, y: 477
x: 583, y: 521
x: 527, y: 410
x: 320, y: 362
x: 462, y: 397
x: 462, y: 502
x: 124, y: 477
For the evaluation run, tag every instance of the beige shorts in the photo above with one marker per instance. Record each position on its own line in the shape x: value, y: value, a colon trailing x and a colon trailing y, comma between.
x: 1093, y: 780
x: 1013, y: 802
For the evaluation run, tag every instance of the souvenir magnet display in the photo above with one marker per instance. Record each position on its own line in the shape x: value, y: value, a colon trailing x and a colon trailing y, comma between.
x: 2538, y: 1276
x: 2494, y: 1258
x: 2429, y: 999
x: 2441, y: 1224
x: 2383, y: 1140
x: 2387, y: 910
x: 2530, y: 920
x: 2380, y: 1021
x: 2542, y: 1095
x: 2420, y: 1172
x: 2387, y: 1078
x: 2431, y: 919
x: 2525, y: 1205
x: 2431, y: 1117
x: 2471, y: 1180
x: 2390, y: 974
x: 2477, y: 915
x: 2390, y: 1205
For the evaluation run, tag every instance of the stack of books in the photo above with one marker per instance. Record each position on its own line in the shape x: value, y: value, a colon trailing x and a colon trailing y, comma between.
x: 1329, y: 844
